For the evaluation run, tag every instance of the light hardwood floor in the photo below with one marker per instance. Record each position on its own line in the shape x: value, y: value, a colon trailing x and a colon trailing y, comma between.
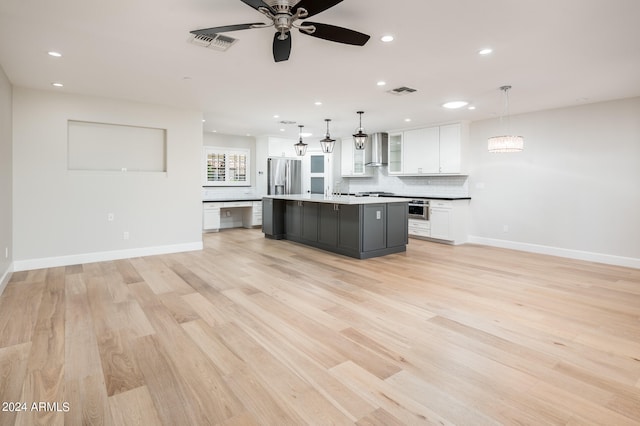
x: 255, y: 331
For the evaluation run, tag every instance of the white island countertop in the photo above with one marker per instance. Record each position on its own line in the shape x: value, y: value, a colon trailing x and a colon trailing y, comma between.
x: 338, y: 199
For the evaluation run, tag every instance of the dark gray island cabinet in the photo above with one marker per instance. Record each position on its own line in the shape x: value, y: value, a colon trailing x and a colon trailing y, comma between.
x: 360, y: 227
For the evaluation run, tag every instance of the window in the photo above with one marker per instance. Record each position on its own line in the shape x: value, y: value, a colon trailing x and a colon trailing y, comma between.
x: 226, y: 166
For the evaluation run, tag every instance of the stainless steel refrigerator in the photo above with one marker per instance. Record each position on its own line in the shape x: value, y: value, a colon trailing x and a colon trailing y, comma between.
x: 284, y: 176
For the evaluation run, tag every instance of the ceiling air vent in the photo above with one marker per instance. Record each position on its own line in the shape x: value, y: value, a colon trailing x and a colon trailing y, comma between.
x: 213, y: 41
x: 404, y: 90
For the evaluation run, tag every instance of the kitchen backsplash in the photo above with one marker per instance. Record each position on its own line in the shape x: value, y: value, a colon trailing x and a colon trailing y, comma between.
x: 224, y: 192
x: 447, y: 186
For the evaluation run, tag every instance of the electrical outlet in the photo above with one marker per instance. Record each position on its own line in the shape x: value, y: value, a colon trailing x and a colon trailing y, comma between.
x: 125, y: 235
x: 378, y: 215
x: 6, y: 252
x: 110, y: 217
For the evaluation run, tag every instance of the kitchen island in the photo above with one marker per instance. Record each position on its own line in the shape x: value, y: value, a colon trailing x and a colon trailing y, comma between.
x: 360, y: 227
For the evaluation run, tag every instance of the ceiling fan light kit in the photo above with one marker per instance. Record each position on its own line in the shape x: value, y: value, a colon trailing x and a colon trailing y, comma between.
x: 360, y: 137
x: 283, y: 15
x: 507, y: 142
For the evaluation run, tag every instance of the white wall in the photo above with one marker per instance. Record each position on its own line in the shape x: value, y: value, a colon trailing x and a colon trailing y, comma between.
x: 573, y: 191
x: 233, y: 141
x: 6, y: 167
x: 60, y: 216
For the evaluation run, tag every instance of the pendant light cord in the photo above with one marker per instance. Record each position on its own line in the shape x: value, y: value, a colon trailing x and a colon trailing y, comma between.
x: 505, y: 89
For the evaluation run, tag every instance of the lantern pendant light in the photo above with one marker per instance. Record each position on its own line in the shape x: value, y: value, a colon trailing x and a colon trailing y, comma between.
x: 327, y: 143
x: 360, y: 137
x: 507, y: 142
x: 301, y: 147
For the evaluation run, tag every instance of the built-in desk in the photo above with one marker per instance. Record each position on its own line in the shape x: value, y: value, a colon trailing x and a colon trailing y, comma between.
x: 231, y: 213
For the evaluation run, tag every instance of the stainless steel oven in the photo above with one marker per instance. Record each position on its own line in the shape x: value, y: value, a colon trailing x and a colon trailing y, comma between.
x: 419, y: 209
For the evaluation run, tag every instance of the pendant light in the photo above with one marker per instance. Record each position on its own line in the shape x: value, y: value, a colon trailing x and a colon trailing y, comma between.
x: 507, y: 142
x: 301, y: 147
x: 360, y: 138
x: 327, y: 143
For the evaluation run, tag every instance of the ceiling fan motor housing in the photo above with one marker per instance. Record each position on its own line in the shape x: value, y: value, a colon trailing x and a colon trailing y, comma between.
x: 281, y: 6
x: 283, y: 15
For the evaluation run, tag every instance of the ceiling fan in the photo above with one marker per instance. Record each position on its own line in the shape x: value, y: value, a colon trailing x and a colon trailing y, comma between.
x: 283, y: 15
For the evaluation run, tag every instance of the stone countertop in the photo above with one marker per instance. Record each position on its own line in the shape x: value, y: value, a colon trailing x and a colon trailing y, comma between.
x: 339, y: 199
x: 426, y: 197
x: 434, y: 197
x: 231, y: 198
x: 336, y: 199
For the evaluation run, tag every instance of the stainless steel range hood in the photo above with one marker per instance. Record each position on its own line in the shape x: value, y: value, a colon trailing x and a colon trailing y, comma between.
x: 379, y: 145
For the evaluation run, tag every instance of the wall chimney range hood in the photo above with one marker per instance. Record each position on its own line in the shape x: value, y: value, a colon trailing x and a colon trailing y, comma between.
x: 379, y: 145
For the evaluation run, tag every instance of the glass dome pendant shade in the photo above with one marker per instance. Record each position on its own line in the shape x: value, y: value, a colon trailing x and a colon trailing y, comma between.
x: 327, y: 143
x: 301, y: 147
x: 507, y: 142
x: 360, y: 137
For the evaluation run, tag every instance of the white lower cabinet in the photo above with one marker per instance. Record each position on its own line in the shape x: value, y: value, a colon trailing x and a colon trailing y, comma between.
x: 448, y: 221
x: 253, y: 216
x: 441, y: 219
x: 419, y: 228
x: 211, y: 216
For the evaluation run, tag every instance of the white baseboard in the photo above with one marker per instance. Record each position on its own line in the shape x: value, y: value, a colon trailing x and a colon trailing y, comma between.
x: 5, y: 278
x: 76, y: 259
x: 629, y: 262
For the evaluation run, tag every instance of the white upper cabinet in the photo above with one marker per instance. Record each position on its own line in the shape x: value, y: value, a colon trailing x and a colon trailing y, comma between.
x: 226, y: 166
x: 396, y: 151
x: 450, y: 149
x: 352, y: 162
x: 280, y: 147
x: 422, y: 151
x: 428, y: 151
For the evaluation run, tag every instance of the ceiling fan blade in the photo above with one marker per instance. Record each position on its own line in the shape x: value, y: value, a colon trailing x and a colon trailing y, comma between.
x: 337, y: 34
x: 226, y: 28
x: 281, y: 48
x: 314, y: 6
x: 257, y: 4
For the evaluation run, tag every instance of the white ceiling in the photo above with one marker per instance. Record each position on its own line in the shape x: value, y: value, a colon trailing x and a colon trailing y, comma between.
x: 554, y: 53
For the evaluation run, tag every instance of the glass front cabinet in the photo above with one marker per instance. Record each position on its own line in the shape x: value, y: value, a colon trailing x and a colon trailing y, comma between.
x: 395, y: 153
x: 226, y: 167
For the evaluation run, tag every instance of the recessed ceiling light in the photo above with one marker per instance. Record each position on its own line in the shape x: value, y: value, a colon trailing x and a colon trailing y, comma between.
x: 381, y: 83
x: 276, y: 116
x: 386, y: 38
x: 407, y: 120
x: 203, y: 120
x: 318, y: 103
x: 485, y: 51
x: 455, y: 104
x: 54, y: 54
x: 57, y: 84
x: 471, y: 107
x: 282, y: 130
